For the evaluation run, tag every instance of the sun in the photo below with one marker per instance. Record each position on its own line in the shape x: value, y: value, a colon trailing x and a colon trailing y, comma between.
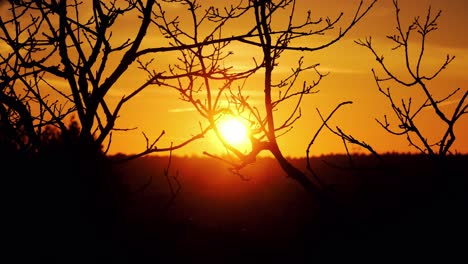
x: 234, y: 131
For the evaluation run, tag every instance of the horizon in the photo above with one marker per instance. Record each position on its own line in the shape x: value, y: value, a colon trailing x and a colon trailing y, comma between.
x: 269, y: 156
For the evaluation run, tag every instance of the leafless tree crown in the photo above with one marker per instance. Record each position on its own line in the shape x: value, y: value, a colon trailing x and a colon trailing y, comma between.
x: 407, y: 110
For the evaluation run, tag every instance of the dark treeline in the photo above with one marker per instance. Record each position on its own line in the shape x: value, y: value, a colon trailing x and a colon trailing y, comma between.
x: 67, y: 206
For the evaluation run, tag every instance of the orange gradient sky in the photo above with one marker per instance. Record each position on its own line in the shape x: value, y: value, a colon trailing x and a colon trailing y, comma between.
x: 350, y: 78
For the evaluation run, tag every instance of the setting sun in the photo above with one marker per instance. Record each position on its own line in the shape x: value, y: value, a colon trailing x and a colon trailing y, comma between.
x: 233, y: 131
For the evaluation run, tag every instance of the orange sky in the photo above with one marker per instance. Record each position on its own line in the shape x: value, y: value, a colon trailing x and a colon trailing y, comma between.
x: 350, y: 78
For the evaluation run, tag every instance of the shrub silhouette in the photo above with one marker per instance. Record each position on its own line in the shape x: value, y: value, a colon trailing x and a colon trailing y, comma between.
x: 63, y: 193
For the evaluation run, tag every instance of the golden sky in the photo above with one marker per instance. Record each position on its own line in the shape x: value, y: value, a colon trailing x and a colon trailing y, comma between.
x: 350, y: 79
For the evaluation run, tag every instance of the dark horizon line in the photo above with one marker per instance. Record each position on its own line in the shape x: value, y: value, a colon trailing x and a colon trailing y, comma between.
x: 194, y: 155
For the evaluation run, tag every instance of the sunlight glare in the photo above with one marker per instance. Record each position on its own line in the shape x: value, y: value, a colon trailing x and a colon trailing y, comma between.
x: 234, y: 131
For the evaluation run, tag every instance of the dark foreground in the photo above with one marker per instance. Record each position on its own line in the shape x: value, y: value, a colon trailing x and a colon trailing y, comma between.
x: 406, y: 208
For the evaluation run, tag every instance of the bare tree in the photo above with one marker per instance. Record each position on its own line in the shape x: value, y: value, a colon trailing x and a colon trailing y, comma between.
x: 206, y: 77
x: 56, y: 62
x: 73, y: 41
x: 408, y: 110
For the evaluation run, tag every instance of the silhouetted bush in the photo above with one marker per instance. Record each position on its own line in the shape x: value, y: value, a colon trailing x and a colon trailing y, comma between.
x: 65, y: 194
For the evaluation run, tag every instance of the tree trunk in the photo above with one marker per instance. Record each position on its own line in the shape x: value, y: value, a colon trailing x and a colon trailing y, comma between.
x: 309, y: 186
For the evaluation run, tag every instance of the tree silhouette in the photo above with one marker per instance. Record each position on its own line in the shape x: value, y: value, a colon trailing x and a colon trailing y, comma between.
x: 407, y: 111
x: 207, y: 77
x: 56, y: 62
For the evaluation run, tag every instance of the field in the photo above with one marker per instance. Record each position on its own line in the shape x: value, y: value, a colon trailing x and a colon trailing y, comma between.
x: 405, y: 206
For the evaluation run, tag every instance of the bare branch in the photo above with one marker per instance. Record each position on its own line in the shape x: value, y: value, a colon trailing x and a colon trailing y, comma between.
x: 404, y: 112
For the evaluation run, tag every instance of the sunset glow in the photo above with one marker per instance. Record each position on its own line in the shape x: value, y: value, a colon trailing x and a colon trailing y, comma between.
x: 190, y: 131
x: 176, y: 105
x: 234, y: 131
